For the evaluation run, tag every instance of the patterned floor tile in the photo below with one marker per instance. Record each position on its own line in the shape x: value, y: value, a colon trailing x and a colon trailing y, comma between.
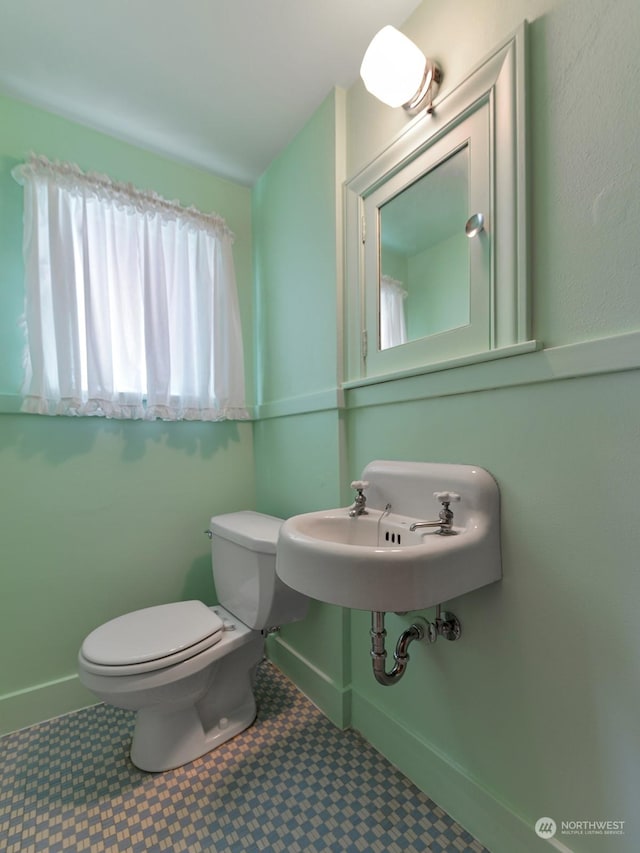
x: 292, y: 783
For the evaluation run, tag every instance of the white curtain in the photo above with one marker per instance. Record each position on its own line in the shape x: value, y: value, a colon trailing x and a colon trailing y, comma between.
x: 393, y: 324
x: 131, y: 307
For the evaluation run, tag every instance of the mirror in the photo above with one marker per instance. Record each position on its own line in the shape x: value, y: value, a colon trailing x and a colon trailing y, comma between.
x: 424, y: 255
x: 436, y: 233
x: 446, y: 277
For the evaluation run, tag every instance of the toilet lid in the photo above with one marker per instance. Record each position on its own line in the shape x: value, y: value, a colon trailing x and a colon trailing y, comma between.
x: 168, y: 630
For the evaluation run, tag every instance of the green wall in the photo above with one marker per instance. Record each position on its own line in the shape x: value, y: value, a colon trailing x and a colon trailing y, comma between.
x: 98, y: 517
x: 538, y: 702
x: 438, y: 287
x: 535, y: 711
x: 297, y: 223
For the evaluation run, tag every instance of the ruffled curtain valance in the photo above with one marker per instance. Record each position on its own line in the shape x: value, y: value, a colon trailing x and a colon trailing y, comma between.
x: 131, y: 309
x: 126, y: 197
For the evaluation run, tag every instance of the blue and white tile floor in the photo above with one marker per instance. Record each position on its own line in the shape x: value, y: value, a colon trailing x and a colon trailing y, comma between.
x: 292, y: 783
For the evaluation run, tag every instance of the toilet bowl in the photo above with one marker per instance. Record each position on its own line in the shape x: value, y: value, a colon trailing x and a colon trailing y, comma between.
x: 188, y: 669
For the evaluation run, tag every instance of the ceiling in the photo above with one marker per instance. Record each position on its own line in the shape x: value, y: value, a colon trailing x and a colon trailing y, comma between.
x: 221, y: 84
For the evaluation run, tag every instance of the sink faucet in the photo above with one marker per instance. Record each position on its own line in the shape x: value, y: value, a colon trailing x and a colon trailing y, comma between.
x: 360, y: 503
x: 445, y: 517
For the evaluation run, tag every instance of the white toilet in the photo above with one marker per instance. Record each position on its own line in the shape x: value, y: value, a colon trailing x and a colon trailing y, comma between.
x: 186, y: 668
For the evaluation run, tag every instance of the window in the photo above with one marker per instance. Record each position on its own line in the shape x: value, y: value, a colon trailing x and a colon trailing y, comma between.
x: 131, y: 307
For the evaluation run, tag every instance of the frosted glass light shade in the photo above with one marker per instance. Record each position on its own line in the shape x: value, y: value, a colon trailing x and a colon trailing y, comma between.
x: 393, y: 67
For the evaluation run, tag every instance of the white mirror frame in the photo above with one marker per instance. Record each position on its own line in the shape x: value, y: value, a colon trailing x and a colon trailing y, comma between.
x: 498, y: 82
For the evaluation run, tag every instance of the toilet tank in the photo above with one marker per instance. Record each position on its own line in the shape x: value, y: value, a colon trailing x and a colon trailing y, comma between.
x: 243, y: 555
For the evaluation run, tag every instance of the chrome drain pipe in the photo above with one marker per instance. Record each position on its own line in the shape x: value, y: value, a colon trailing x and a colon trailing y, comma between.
x: 379, y: 653
x: 446, y: 625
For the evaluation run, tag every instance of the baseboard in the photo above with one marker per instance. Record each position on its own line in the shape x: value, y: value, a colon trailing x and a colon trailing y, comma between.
x: 490, y: 821
x: 332, y: 699
x: 43, y: 702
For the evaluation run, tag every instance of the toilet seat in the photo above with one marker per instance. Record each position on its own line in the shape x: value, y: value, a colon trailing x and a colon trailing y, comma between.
x: 151, y: 639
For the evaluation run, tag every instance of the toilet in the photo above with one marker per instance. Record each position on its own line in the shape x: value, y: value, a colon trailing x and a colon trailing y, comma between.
x: 188, y: 669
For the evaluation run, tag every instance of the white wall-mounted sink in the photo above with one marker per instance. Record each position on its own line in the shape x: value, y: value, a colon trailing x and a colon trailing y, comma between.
x: 375, y: 562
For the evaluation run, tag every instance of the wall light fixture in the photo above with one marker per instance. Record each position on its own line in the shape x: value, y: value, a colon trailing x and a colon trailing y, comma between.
x: 398, y: 73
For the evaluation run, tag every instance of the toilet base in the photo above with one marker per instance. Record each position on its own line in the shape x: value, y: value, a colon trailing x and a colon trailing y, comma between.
x: 163, y: 741
x: 168, y: 737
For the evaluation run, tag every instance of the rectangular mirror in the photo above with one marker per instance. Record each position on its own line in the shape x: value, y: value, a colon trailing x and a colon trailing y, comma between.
x: 421, y: 212
x: 424, y: 255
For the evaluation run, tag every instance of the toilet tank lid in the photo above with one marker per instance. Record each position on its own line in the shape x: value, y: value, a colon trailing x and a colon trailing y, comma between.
x: 253, y: 530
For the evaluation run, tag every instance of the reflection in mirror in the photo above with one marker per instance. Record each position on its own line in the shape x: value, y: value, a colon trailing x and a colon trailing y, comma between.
x: 424, y: 255
x: 393, y: 317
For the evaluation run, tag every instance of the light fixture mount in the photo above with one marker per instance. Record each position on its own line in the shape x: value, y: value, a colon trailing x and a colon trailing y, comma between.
x: 428, y: 87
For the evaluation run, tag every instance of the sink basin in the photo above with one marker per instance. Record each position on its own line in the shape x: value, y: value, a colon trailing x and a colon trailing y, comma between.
x: 378, y: 530
x: 375, y: 562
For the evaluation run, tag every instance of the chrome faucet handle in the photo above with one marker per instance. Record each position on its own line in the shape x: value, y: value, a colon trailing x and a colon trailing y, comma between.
x: 446, y: 497
x: 360, y: 501
x: 446, y: 514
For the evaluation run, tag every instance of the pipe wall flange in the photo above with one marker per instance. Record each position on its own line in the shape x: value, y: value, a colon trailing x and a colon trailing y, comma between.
x: 449, y: 626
